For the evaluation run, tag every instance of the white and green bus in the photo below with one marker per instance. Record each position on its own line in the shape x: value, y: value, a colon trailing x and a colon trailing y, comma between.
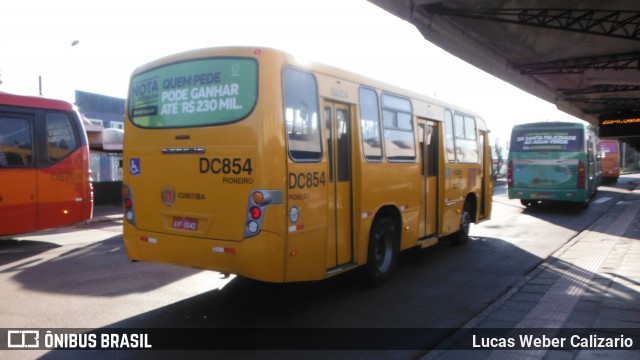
x: 553, y: 161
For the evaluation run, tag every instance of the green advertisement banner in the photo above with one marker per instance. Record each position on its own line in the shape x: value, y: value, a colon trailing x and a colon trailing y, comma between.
x: 194, y: 93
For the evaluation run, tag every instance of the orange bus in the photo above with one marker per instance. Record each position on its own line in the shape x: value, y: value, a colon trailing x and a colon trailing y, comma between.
x: 44, y: 165
x: 245, y: 161
x: 611, y: 160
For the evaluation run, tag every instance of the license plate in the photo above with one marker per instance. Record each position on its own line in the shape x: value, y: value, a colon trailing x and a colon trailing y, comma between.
x: 184, y: 223
x: 540, y: 196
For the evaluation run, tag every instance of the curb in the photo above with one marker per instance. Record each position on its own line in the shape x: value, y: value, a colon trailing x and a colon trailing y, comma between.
x: 440, y: 351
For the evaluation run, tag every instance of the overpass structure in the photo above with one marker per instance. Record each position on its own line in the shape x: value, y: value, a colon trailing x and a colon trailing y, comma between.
x: 582, y: 56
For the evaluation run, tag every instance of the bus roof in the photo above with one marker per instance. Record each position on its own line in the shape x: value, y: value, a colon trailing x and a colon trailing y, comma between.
x: 551, y: 124
x: 34, y: 102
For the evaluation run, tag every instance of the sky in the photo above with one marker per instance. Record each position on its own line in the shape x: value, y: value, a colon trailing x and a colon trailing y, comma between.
x: 114, y: 37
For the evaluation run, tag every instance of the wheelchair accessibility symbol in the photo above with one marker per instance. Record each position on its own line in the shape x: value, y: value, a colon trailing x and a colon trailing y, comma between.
x: 134, y: 166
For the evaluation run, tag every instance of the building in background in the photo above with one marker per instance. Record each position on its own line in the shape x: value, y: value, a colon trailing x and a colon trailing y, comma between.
x: 104, y: 122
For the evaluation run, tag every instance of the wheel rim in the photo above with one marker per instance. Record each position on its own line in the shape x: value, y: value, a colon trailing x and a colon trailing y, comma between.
x: 465, y: 222
x: 383, y: 251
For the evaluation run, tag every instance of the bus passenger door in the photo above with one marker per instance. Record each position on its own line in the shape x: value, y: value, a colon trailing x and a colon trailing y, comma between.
x: 339, y: 231
x: 428, y: 137
x: 18, y: 196
x: 487, y: 178
x: 61, y: 182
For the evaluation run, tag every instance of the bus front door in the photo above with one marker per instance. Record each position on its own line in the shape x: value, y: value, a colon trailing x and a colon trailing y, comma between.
x: 339, y: 231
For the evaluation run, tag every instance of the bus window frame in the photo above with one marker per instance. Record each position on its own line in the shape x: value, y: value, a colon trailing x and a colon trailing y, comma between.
x: 396, y: 110
x: 461, y: 135
x: 319, y: 116
x: 449, y: 136
x: 378, y: 126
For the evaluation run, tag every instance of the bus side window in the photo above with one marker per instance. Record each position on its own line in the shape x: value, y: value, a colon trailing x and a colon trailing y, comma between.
x: 448, y: 135
x: 398, y: 128
x: 16, y: 148
x: 432, y: 151
x: 302, y: 116
x: 466, y: 142
x: 370, y: 125
x: 61, y: 139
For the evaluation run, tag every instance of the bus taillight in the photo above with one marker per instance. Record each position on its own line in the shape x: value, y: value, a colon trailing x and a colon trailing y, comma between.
x: 259, y: 201
x: 127, y: 201
x: 256, y: 213
x: 581, y: 175
x: 510, y: 174
x: 258, y: 197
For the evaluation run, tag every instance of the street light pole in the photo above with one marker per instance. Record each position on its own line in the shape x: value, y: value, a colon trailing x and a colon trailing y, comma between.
x: 73, y: 43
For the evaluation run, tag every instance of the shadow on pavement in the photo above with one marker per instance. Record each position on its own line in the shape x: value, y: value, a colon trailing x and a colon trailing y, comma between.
x: 98, y: 269
x: 12, y: 251
x: 443, y: 287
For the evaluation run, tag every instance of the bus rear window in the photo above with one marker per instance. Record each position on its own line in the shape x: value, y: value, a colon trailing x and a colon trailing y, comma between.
x: 547, y: 140
x: 609, y: 147
x: 192, y: 93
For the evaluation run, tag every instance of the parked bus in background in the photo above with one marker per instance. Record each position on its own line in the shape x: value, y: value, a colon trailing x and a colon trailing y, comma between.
x: 611, y: 159
x: 44, y: 165
x: 243, y: 161
x: 553, y: 161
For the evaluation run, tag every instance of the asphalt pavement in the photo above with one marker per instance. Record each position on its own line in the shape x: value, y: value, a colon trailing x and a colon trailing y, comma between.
x: 105, y: 213
x: 582, y: 299
x: 588, y: 290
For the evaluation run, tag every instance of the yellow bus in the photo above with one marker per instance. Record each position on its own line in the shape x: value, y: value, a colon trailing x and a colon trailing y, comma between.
x: 245, y: 161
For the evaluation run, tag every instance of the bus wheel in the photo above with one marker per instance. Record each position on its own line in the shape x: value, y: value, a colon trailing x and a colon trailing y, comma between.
x: 462, y: 236
x: 383, y: 251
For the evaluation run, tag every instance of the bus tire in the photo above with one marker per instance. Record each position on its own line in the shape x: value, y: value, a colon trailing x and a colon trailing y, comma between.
x: 462, y: 236
x: 383, y: 251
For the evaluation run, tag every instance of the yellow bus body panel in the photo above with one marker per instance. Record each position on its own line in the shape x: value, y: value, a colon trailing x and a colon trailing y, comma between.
x: 260, y: 258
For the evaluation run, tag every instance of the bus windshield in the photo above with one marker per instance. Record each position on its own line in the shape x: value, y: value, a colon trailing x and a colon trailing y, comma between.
x: 201, y: 92
x: 547, y: 140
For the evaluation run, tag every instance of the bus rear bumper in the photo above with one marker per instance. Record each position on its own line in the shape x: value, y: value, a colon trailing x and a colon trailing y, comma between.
x: 611, y: 174
x: 259, y: 258
x: 573, y: 195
